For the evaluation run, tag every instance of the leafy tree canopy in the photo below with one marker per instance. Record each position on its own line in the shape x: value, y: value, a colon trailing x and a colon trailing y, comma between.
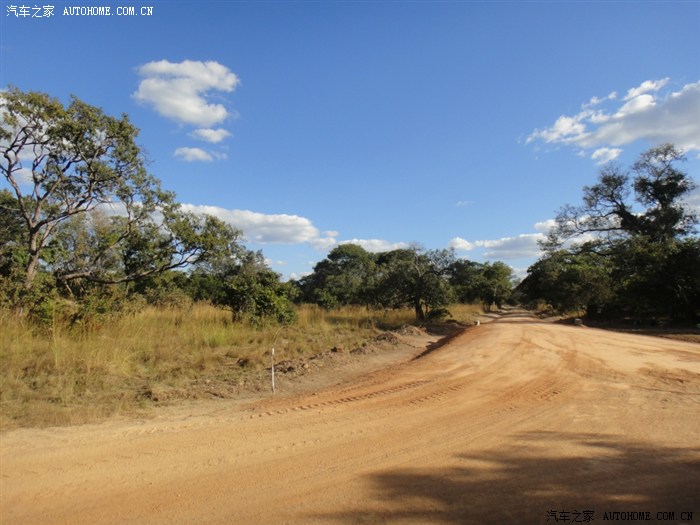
x: 80, y: 202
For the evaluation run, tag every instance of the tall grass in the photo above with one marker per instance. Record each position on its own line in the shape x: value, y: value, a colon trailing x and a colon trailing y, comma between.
x: 67, y: 375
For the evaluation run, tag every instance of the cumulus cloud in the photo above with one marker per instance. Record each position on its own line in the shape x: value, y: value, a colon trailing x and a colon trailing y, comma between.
x: 522, y: 246
x: 603, y: 155
x: 645, y: 87
x: 181, y: 91
x: 211, y: 135
x: 646, y: 113
x: 545, y: 226
x: 376, y: 245
x: 193, y: 155
x: 517, y: 247
x: 188, y: 92
x: 461, y: 244
x: 264, y: 228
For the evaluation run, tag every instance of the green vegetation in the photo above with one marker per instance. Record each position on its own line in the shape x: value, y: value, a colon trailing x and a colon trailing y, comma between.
x: 113, y: 297
x: 637, y: 254
x: 426, y: 281
x: 86, y: 234
x: 69, y: 374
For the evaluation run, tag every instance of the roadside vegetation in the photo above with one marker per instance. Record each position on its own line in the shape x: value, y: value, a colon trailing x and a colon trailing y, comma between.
x: 112, y: 297
x: 67, y: 374
x: 629, y: 252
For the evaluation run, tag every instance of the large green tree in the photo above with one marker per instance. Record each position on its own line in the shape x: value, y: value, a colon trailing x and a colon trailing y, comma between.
x: 88, y: 209
x: 245, y: 286
x: 489, y: 283
x: 644, y: 203
x: 344, y: 277
x: 414, y: 278
x: 630, y: 249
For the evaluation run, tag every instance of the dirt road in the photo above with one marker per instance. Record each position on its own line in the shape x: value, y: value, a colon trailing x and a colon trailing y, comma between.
x: 510, y: 422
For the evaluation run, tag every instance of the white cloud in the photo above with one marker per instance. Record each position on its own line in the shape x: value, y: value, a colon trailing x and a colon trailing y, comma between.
x: 376, y: 245
x: 645, y: 87
x: 564, y: 129
x: 269, y: 228
x: 545, y: 226
x: 635, y: 105
x: 517, y: 247
x: 211, y: 135
x: 461, y: 244
x: 603, y: 155
x: 594, y: 101
x: 646, y: 114
x: 181, y: 91
x: 295, y: 276
x: 193, y: 155
x: 24, y: 177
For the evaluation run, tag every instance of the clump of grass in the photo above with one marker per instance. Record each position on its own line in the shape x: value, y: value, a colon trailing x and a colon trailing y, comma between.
x: 67, y: 375
x: 466, y: 313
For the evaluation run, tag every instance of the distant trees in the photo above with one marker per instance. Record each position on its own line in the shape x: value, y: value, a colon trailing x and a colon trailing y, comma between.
x: 85, y: 230
x: 413, y: 278
x: 426, y: 281
x: 489, y: 283
x: 637, y: 254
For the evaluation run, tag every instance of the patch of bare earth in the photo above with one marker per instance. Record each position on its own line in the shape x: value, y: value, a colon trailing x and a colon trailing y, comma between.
x: 504, y: 423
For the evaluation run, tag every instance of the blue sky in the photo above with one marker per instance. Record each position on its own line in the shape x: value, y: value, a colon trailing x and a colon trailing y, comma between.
x: 308, y: 124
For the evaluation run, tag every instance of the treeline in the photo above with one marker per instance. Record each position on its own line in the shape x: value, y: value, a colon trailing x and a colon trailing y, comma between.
x: 86, y: 232
x: 427, y: 281
x: 629, y: 251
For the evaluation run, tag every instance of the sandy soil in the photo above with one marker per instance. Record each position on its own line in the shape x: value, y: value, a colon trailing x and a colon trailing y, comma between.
x: 506, y: 423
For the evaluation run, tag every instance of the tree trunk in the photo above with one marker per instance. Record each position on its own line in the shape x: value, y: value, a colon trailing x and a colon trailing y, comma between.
x: 31, y: 271
x: 420, y: 315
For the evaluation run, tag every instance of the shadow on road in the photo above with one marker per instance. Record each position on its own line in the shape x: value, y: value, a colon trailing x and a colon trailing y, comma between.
x: 531, y: 481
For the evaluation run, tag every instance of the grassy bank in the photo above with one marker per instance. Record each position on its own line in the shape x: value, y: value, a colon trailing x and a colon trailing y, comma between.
x: 62, y: 375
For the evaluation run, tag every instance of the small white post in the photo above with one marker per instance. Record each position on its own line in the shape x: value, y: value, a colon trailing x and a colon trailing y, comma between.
x: 272, y: 358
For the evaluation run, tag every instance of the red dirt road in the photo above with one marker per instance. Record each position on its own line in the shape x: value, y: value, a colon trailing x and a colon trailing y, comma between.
x: 510, y: 421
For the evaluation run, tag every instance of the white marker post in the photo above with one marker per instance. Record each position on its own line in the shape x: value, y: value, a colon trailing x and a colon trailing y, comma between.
x: 272, y: 358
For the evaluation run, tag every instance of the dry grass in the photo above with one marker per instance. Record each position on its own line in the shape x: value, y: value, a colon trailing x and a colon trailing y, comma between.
x: 67, y: 375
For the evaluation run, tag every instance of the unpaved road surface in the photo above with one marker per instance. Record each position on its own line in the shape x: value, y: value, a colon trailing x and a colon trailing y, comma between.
x: 507, y: 423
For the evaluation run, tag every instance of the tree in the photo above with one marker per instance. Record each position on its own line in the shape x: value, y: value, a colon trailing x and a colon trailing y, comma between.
x: 571, y: 281
x: 658, y: 187
x: 246, y: 286
x: 489, y: 283
x: 410, y: 277
x: 639, y: 256
x: 498, y: 282
x: 467, y: 280
x: 343, y: 277
x: 62, y: 165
